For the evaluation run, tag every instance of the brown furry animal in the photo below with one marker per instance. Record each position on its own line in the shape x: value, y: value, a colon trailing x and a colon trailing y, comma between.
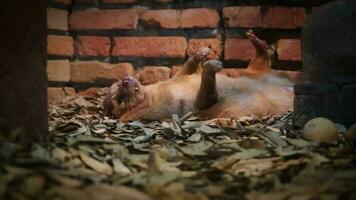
x: 199, y: 89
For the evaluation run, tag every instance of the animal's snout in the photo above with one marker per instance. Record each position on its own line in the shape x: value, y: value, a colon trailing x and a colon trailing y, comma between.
x: 127, y: 81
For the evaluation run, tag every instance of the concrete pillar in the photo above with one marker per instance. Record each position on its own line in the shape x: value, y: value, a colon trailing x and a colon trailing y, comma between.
x: 23, y: 80
x: 329, y: 62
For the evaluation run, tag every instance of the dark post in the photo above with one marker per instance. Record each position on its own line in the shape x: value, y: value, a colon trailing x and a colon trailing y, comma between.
x: 329, y: 62
x: 23, y: 79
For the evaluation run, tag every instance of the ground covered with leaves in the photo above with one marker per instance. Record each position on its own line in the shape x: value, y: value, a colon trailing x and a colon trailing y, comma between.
x: 91, y: 157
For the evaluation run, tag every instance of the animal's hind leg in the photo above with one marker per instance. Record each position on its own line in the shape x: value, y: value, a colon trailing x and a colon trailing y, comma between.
x: 208, y: 94
x: 262, y: 48
x: 192, y: 65
x: 262, y: 60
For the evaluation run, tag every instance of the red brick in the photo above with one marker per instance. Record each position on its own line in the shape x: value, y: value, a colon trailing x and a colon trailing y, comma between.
x: 269, y: 17
x: 153, y: 74
x: 98, y: 72
x: 289, y: 49
x: 283, y: 17
x: 65, y: 2
x: 60, y: 45
x: 103, y: 19
x: 58, y: 70
x: 189, y: 18
x: 248, y: 17
x: 93, y: 46
x: 57, y: 19
x: 239, y: 49
x: 57, y: 94
x: 150, y: 47
x: 118, y: 1
x: 214, y: 44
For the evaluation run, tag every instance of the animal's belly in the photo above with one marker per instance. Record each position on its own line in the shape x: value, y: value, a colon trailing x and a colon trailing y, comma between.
x: 256, y: 104
x: 237, y: 97
x: 184, y: 97
x: 175, y: 97
x: 249, y: 97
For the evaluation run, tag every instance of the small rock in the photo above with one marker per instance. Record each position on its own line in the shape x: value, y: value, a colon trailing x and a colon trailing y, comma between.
x: 351, y: 133
x: 320, y: 130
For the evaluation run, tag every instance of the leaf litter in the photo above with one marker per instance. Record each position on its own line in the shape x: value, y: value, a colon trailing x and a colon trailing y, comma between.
x: 91, y: 157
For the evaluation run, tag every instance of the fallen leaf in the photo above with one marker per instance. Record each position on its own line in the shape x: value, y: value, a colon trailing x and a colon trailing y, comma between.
x: 100, y: 167
x: 102, y: 192
x: 66, y: 181
x: 196, y: 149
x: 226, y: 162
x: 196, y: 137
x: 120, y: 168
x: 158, y: 165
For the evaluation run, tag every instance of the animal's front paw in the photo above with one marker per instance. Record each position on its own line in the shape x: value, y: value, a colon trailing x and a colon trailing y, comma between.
x: 127, y: 117
x: 202, y: 53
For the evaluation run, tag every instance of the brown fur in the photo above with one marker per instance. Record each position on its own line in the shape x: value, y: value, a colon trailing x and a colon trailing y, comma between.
x: 207, y: 94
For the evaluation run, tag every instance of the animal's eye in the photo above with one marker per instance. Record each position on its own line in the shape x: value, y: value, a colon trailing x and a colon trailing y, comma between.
x: 136, y: 88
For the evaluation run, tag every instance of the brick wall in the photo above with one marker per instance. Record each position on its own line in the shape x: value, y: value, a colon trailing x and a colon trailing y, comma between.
x: 95, y: 42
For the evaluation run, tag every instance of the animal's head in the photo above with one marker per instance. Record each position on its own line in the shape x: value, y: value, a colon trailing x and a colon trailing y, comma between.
x: 127, y: 94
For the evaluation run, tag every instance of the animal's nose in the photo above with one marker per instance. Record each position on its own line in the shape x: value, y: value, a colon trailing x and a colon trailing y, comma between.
x: 126, y: 82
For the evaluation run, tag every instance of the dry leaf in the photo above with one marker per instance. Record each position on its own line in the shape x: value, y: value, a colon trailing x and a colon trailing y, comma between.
x: 120, y: 168
x: 100, y: 167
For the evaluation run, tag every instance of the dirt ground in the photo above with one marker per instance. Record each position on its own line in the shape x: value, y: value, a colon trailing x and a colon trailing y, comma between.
x: 183, y: 158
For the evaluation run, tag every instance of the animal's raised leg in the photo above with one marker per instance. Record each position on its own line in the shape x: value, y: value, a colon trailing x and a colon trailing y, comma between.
x: 208, y: 94
x: 262, y: 61
x: 192, y: 64
x: 109, y: 102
